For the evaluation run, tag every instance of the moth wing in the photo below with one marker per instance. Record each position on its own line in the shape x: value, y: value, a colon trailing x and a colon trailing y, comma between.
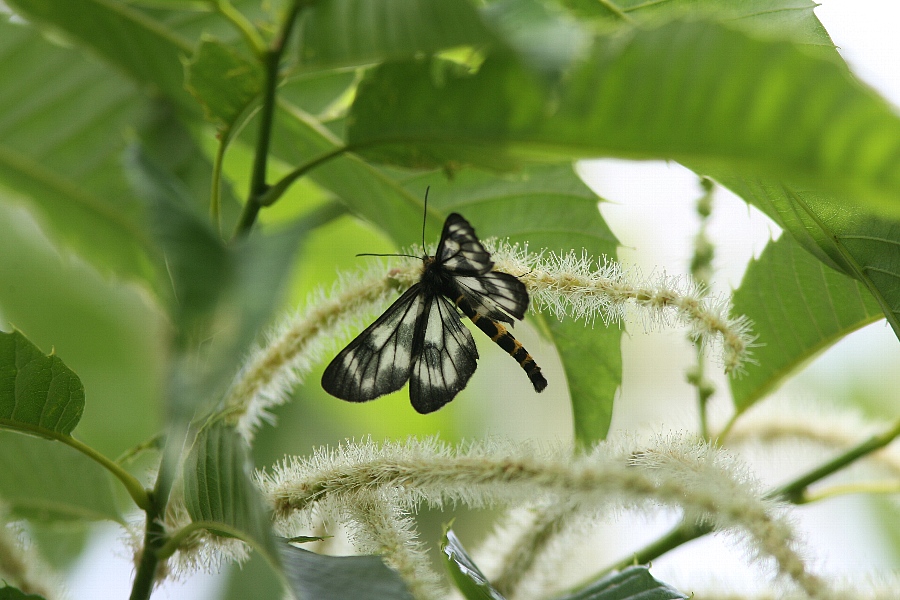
x: 459, y: 250
x: 495, y: 295
x: 445, y: 357
x: 379, y: 360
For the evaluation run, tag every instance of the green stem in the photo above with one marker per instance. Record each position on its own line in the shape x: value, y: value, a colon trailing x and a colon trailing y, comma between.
x: 131, y: 453
x: 271, y: 59
x: 611, y: 7
x: 682, y: 533
x: 174, y: 542
x: 720, y: 439
x: 871, y: 487
x: 248, y: 31
x: 793, y: 491
x: 280, y: 187
x: 149, y: 561
x: 790, y: 492
x: 155, y: 533
x: 858, y: 271
x: 132, y: 485
x: 215, y: 193
x: 702, y: 271
x: 697, y: 377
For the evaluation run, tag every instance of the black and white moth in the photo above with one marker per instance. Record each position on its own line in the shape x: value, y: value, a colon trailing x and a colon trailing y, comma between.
x: 421, y: 338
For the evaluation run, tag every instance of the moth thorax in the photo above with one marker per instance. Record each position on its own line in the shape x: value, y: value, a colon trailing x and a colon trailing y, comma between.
x: 434, y: 277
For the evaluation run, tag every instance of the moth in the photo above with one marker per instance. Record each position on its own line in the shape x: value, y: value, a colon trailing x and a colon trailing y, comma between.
x: 420, y: 338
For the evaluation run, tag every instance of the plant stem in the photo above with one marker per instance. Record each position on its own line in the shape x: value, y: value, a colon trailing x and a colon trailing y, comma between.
x: 723, y: 434
x: 702, y: 272
x: 681, y: 534
x: 277, y: 189
x: 271, y: 59
x: 132, y: 485
x: 146, y: 570
x: 792, y: 492
x: 611, y: 7
x: 248, y: 31
x: 873, y: 487
x: 215, y: 193
x: 155, y: 533
x: 174, y: 542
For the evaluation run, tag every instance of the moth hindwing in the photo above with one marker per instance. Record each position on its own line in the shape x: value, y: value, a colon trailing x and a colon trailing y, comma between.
x: 420, y: 338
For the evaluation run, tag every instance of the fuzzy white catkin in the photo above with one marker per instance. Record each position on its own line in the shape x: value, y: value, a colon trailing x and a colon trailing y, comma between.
x: 581, y: 287
x: 298, y: 344
x: 568, y: 285
x: 703, y: 481
x: 21, y: 565
x: 202, y: 551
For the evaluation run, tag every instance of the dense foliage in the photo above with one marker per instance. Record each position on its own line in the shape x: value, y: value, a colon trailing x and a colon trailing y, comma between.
x: 177, y: 174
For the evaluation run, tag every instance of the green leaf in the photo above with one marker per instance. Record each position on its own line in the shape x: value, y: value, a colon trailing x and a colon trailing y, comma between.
x: 131, y: 40
x: 515, y: 207
x: 688, y: 91
x: 357, y: 32
x: 862, y: 246
x: 592, y: 359
x: 224, y: 82
x: 305, y: 539
x: 38, y: 394
x: 48, y: 481
x: 465, y: 573
x: 633, y: 583
x: 174, y: 148
x: 255, y: 579
x: 546, y: 38
x: 799, y: 307
x: 60, y: 144
x: 60, y: 543
x: 369, y: 193
x: 11, y: 593
x: 219, y: 493
x: 323, y: 577
x: 195, y: 258
x: 789, y: 19
x: 318, y: 91
x: 483, y: 118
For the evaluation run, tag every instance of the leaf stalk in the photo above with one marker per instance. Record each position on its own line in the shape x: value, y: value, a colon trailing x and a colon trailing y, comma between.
x: 243, y: 25
x: 132, y: 485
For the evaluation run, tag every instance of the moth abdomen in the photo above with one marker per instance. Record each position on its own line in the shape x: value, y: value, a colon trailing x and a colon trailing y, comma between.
x: 503, y: 338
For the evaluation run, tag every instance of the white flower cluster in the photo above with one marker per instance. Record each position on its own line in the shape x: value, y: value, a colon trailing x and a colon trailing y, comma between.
x: 700, y: 479
x: 296, y: 346
x: 200, y: 551
x: 581, y: 287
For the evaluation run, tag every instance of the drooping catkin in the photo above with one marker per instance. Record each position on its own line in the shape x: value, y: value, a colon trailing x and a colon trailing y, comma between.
x: 696, y: 477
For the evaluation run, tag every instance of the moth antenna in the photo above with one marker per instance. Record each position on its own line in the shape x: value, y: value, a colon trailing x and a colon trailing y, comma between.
x: 406, y: 255
x: 425, y: 217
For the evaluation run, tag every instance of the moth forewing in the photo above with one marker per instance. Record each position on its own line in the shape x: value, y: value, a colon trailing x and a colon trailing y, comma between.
x: 378, y: 361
